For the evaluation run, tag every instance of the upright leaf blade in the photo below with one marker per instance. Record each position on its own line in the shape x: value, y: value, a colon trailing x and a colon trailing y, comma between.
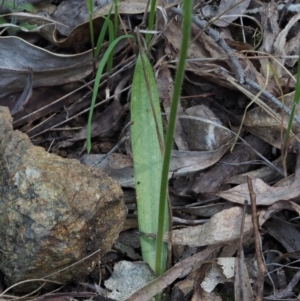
x: 147, y: 155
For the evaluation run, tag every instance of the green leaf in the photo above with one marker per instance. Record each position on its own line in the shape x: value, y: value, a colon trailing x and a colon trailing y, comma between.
x: 28, y: 26
x: 90, y: 6
x: 146, y: 131
x: 107, y: 23
x: 25, y: 6
x: 9, y: 4
x: 3, y: 20
x: 96, y: 85
x: 294, y: 105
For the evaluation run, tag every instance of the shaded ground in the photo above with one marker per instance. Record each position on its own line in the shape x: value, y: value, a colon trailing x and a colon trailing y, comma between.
x: 234, y: 66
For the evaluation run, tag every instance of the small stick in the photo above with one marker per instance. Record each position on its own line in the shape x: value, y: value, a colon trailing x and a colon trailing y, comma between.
x: 261, y: 267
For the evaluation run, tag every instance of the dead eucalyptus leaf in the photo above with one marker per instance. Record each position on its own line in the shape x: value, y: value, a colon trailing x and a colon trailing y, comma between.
x: 261, y: 124
x: 75, y: 19
x: 280, y: 44
x: 229, y: 10
x: 173, y: 35
x: 179, y: 270
x: 213, y: 179
x: 265, y: 194
x: 276, y: 207
x: 269, y: 17
x: 242, y: 286
x: 182, y: 163
x: 284, y: 232
x: 117, y: 166
x: 201, y: 135
x: 49, y: 69
x: 221, y: 228
x: 75, y: 12
x: 164, y: 83
x: 187, y: 162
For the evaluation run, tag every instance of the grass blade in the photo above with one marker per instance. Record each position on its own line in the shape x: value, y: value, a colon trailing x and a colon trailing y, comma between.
x: 187, y: 22
x: 96, y: 85
x: 294, y: 105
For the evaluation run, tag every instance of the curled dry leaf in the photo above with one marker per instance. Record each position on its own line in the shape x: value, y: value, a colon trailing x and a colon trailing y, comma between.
x: 280, y: 46
x: 49, y: 69
x: 68, y: 25
x: 276, y: 207
x: 219, y: 272
x: 265, y: 194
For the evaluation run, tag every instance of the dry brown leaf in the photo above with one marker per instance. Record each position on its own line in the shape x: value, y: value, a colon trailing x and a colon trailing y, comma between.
x: 187, y: 162
x: 292, y: 48
x: 229, y: 10
x: 105, y: 123
x: 260, y: 123
x: 284, y: 232
x: 164, y: 82
x: 179, y: 270
x: 266, y: 173
x: 213, y: 179
x: 276, y: 207
x: 49, y: 69
x: 269, y: 17
x: 280, y: 44
x: 72, y: 20
x: 182, y: 163
x: 117, y: 166
x: 265, y: 194
x: 223, y: 227
x: 221, y: 270
x: 173, y: 35
x: 242, y: 286
x: 43, y: 101
x: 184, y: 287
x: 203, y: 135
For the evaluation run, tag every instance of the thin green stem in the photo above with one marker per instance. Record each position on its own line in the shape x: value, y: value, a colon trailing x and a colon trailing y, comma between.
x: 90, y: 7
x: 151, y: 20
x: 97, y: 83
x: 116, y: 17
x: 293, y: 109
x: 187, y: 21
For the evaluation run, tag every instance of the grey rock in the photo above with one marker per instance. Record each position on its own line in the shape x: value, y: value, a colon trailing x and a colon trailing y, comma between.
x: 53, y: 212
